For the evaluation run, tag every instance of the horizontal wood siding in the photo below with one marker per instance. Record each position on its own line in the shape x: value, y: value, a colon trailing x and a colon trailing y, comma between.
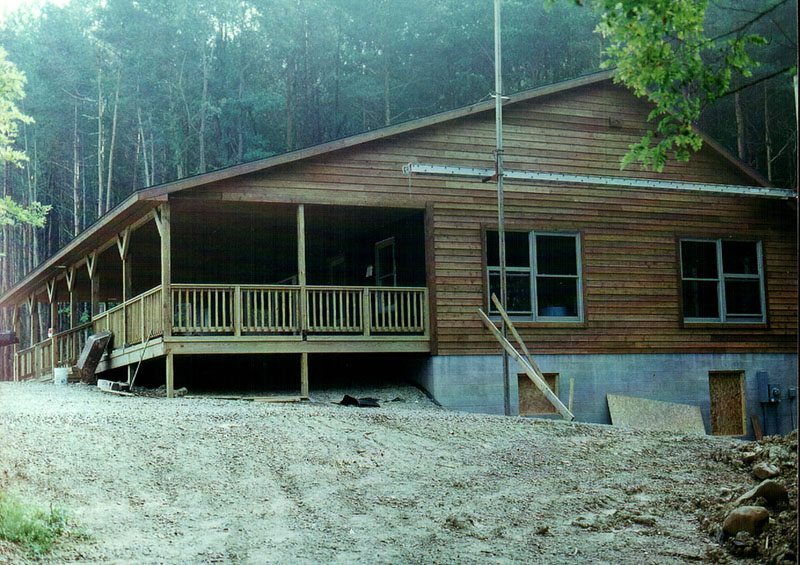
x: 629, y: 237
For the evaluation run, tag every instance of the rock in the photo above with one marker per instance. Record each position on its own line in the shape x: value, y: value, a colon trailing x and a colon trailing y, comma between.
x: 772, y: 491
x: 765, y: 470
x: 778, y: 453
x: 748, y: 456
x: 750, y: 519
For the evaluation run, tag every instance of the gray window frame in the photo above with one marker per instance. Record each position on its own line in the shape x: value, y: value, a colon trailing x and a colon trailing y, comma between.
x: 724, y: 317
x: 533, y: 271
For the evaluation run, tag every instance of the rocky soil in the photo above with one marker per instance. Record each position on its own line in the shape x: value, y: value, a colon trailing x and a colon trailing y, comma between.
x: 198, y: 480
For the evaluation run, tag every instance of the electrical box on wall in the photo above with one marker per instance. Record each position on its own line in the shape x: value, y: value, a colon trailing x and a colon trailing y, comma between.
x: 767, y: 393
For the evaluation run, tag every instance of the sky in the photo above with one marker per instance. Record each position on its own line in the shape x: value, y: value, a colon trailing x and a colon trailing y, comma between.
x: 7, y: 6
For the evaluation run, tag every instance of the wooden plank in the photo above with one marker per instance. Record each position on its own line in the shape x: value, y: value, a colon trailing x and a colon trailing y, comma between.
x: 632, y: 412
x: 534, y: 375
x: 726, y: 395
x: 756, y: 427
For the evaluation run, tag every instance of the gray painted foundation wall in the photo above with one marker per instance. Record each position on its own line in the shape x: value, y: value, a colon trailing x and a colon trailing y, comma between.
x: 474, y: 383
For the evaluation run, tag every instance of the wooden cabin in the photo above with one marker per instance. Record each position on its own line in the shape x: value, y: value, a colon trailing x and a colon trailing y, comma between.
x: 679, y: 286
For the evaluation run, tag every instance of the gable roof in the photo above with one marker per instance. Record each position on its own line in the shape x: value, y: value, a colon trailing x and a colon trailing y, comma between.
x: 145, y: 200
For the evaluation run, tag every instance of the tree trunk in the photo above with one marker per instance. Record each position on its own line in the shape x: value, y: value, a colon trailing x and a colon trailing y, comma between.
x: 143, y: 143
x: 76, y: 177
x: 387, y: 114
x: 289, y: 103
x: 100, y: 152
x: 767, y: 139
x: 203, y: 106
x: 113, y: 141
x: 739, y: 128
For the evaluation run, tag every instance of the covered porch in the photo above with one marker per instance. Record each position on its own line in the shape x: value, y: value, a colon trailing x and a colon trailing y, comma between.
x: 238, y: 278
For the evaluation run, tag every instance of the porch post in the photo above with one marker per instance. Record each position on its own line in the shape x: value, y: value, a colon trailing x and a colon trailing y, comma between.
x: 94, y: 283
x: 70, y: 285
x: 304, y: 374
x: 301, y: 281
x: 122, y: 246
x: 16, y: 323
x: 301, y: 266
x: 33, y: 308
x: 52, y: 295
x: 170, y: 375
x: 162, y: 217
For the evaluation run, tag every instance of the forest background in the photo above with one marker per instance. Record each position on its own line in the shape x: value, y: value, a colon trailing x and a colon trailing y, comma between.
x: 126, y: 94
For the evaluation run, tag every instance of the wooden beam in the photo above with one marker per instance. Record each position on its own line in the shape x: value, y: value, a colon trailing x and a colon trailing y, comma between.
x: 91, y: 263
x: 170, y: 384
x: 70, y: 276
x: 123, y: 240
x: 301, y: 265
x: 33, y: 308
x: 51, y: 286
x: 571, y: 393
x: 534, y: 375
x: 516, y: 335
x: 162, y: 216
x: 304, y: 374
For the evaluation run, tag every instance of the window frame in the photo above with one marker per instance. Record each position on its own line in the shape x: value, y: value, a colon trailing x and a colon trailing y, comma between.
x: 533, y: 272
x: 724, y: 316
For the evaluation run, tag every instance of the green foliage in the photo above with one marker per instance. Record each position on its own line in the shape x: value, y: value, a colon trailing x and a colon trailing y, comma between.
x: 32, y: 529
x: 660, y: 49
x: 11, y: 213
x: 12, y: 83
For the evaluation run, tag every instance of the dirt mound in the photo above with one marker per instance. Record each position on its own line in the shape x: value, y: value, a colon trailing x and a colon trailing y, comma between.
x: 772, y: 466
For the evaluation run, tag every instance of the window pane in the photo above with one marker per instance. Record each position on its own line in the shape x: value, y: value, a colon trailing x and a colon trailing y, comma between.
x: 558, y: 297
x: 519, y: 292
x: 739, y: 257
x: 700, y: 299
x: 492, y: 253
x: 555, y: 255
x: 699, y: 259
x: 518, y: 286
x: 517, y: 254
x: 742, y: 297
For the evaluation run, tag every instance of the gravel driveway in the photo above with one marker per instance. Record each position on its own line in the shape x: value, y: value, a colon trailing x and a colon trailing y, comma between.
x: 197, y: 480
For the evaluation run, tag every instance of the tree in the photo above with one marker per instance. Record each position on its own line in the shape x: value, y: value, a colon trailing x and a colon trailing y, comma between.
x: 662, y: 50
x: 12, y: 82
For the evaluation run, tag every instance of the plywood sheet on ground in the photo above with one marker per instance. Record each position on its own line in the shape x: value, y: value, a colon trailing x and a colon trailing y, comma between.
x: 632, y: 412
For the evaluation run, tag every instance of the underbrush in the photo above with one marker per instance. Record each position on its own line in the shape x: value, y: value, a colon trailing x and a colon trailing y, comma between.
x: 31, y: 529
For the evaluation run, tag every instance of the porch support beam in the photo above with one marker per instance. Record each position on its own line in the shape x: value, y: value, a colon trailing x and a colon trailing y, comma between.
x: 70, y: 277
x: 301, y: 266
x: 162, y: 219
x: 33, y: 308
x: 94, y: 282
x: 170, y: 361
x: 16, y: 323
x: 304, y: 374
x: 52, y: 296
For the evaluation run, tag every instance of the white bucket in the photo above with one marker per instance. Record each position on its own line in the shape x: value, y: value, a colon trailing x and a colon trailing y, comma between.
x: 60, y: 375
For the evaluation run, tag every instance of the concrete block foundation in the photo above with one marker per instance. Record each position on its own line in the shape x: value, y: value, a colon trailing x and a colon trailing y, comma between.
x: 474, y: 383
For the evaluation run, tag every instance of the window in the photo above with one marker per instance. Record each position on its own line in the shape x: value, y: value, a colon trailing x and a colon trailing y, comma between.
x: 543, y: 279
x: 723, y: 281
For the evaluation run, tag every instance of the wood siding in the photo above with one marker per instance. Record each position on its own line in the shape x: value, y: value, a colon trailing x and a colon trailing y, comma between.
x: 629, y: 237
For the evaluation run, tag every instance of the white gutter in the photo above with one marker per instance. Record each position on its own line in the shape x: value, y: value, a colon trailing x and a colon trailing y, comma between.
x: 416, y: 169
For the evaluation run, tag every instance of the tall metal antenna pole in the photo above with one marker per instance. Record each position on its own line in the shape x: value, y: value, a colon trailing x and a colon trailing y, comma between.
x: 501, y: 235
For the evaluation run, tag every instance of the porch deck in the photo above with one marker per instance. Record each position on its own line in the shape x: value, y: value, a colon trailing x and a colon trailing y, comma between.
x: 226, y: 318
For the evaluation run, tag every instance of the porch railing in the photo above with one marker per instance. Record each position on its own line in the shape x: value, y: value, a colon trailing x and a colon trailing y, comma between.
x: 235, y: 310
x: 133, y: 320
x: 35, y: 361
x: 275, y: 309
x: 69, y: 344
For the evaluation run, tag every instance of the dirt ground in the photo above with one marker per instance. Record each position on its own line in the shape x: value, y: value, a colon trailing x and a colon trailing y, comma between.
x: 198, y: 480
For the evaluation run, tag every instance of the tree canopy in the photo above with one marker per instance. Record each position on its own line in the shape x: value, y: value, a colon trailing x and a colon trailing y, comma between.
x: 127, y: 94
x: 669, y: 51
